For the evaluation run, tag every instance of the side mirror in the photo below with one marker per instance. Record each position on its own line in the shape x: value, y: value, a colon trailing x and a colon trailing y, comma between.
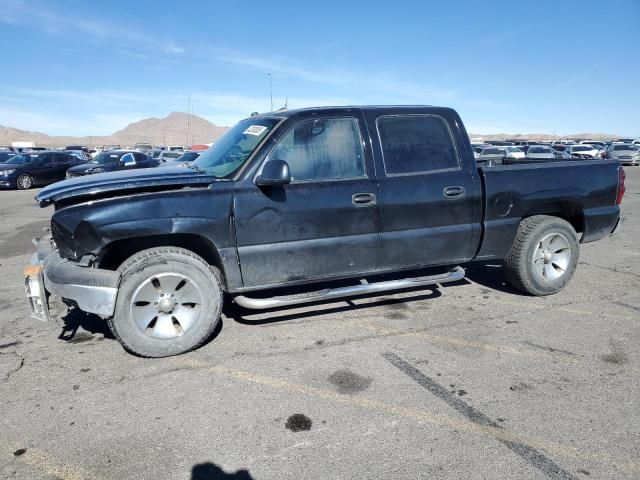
x: 274, y: 173
x: 128, y: 160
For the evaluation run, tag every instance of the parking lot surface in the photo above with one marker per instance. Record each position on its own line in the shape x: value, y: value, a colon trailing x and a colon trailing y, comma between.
x: 468, y: 380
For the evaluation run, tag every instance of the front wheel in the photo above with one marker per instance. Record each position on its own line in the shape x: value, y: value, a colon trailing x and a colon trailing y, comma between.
x: 169, y: 302
x: 543, y: 256
x: 24, y: 182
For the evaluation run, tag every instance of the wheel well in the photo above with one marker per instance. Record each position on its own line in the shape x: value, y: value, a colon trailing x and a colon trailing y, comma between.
x: 566, y: 211
x: 118, y: 251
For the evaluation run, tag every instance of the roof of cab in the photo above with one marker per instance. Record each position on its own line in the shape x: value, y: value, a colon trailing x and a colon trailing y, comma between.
x: 311, y: 110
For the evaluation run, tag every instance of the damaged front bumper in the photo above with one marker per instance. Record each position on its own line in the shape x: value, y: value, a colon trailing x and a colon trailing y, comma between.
x: 93, y: 290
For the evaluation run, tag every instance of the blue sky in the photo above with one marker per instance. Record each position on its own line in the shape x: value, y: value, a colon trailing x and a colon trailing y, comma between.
x: 90, y: 68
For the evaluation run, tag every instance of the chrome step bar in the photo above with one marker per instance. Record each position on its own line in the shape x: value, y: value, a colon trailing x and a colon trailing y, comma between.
x: 453, y: 275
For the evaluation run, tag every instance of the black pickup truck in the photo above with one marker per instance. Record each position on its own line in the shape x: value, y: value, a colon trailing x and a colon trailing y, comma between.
x: 324, y: 199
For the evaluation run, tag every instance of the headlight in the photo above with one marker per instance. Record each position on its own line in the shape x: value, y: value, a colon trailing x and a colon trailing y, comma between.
x: 97, y: 170
x: 8, y: 172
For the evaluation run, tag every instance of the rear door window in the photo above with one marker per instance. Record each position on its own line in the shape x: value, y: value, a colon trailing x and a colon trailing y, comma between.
x: 416, y: 144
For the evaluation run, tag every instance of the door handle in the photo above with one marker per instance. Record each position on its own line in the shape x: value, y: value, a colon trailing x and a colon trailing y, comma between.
x: 363, y: 199
x: 454, y: 192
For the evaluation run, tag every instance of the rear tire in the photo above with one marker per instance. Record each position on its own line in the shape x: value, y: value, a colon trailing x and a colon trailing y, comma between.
x: 169, y: 302
x: 24, y: 181
x: 543, y: 256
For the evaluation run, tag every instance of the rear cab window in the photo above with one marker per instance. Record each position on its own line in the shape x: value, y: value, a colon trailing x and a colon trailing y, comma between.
x: 414, y: 143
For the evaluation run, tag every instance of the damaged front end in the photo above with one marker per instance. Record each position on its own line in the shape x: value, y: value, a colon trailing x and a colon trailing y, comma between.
x: 93, y: 290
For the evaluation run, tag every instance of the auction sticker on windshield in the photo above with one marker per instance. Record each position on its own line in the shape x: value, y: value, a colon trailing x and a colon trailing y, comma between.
x: 255, y: 130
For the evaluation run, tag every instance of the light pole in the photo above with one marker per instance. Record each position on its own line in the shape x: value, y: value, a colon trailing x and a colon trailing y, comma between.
x: 271, y: 90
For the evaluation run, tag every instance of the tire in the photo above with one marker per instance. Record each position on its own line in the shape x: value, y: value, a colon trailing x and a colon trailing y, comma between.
x: 24, y: 181
x: 169, y: 302
x: 543, y: 256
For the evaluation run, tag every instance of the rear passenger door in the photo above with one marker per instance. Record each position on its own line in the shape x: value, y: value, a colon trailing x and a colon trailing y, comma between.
x: 325, y: 222
x: 427, y: 194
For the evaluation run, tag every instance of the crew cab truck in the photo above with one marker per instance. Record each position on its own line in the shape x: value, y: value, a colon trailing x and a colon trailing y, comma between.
x: 304, y: 198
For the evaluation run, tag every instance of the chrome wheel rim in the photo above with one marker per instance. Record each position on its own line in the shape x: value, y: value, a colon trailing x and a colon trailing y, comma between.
x: 552, y: 257
x: 24, y: 182
x: 166, y: 306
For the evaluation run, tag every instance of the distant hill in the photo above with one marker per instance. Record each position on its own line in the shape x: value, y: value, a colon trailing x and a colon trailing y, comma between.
x: 171, y: 130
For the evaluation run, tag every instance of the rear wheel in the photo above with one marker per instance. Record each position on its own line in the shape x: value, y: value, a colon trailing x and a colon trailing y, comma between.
x: 24, y: 182
x: 543, y: 256
x: 169, y: 302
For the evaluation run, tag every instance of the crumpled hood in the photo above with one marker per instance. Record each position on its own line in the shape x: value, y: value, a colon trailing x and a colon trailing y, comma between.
x: 123, y: 182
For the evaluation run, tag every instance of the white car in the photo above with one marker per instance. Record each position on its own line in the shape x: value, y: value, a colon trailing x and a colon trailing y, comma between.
x: 583, y: 151
x: 595, y: 143
x: 541, y: 152
x: 514, y: 152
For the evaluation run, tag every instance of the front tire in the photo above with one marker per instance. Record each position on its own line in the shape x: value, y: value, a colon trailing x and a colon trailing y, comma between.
x: 24, y: 181
x: 543, y: 256
x: 169, y: 302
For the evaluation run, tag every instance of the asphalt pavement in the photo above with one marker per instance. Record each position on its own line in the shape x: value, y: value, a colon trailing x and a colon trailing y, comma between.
x: 468, y: 380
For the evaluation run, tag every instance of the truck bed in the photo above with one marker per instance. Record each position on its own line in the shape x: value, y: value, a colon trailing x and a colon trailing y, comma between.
x: 582, y: 192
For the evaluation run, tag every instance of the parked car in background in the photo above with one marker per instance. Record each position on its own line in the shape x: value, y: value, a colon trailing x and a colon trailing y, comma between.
x: 6, y: 155
x: 560, y: 151
x: 199, y: 148
x: 143, y: 147
x: 188, y: 157
x: 111, y: 161
x: 490, y: 156
x: 594, y: 143
x: 173, y: 148
x: 155, y: 153
x: 514, y: 153
x: 583, y: 151
x: 168, y: 156
x: 26, y: 170
x: 183, y: 160
x: 625, y: 153
x: 541, y: 152
x: 81, y: 154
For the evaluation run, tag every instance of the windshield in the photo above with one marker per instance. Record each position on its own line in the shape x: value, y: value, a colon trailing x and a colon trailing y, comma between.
x: 492, y: 151
x: 623, y: 147
x: 171, y: 155
x: 582, y: 149
x: 232, y: 149
x: 106, y: 158
x: 538, y: 150
x: 21, y: 159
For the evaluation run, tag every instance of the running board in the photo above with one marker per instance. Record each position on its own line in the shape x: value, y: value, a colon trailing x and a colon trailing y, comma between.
x: 453, y: 275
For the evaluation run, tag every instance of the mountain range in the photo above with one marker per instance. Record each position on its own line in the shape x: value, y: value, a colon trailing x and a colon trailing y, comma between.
x: 172, y: 130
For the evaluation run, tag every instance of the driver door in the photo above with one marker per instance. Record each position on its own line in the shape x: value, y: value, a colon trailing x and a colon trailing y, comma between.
x: 324, y: 224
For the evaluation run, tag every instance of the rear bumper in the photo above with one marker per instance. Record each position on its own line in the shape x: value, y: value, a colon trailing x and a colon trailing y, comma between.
x: 94, y: 290
x: 600, y: 222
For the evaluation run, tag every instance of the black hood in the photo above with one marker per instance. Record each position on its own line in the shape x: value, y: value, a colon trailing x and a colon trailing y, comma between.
x: 121, y: 183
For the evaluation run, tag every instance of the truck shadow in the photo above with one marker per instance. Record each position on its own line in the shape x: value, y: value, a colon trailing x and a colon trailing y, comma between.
x: 490, y: 275
x: 76, y: 319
